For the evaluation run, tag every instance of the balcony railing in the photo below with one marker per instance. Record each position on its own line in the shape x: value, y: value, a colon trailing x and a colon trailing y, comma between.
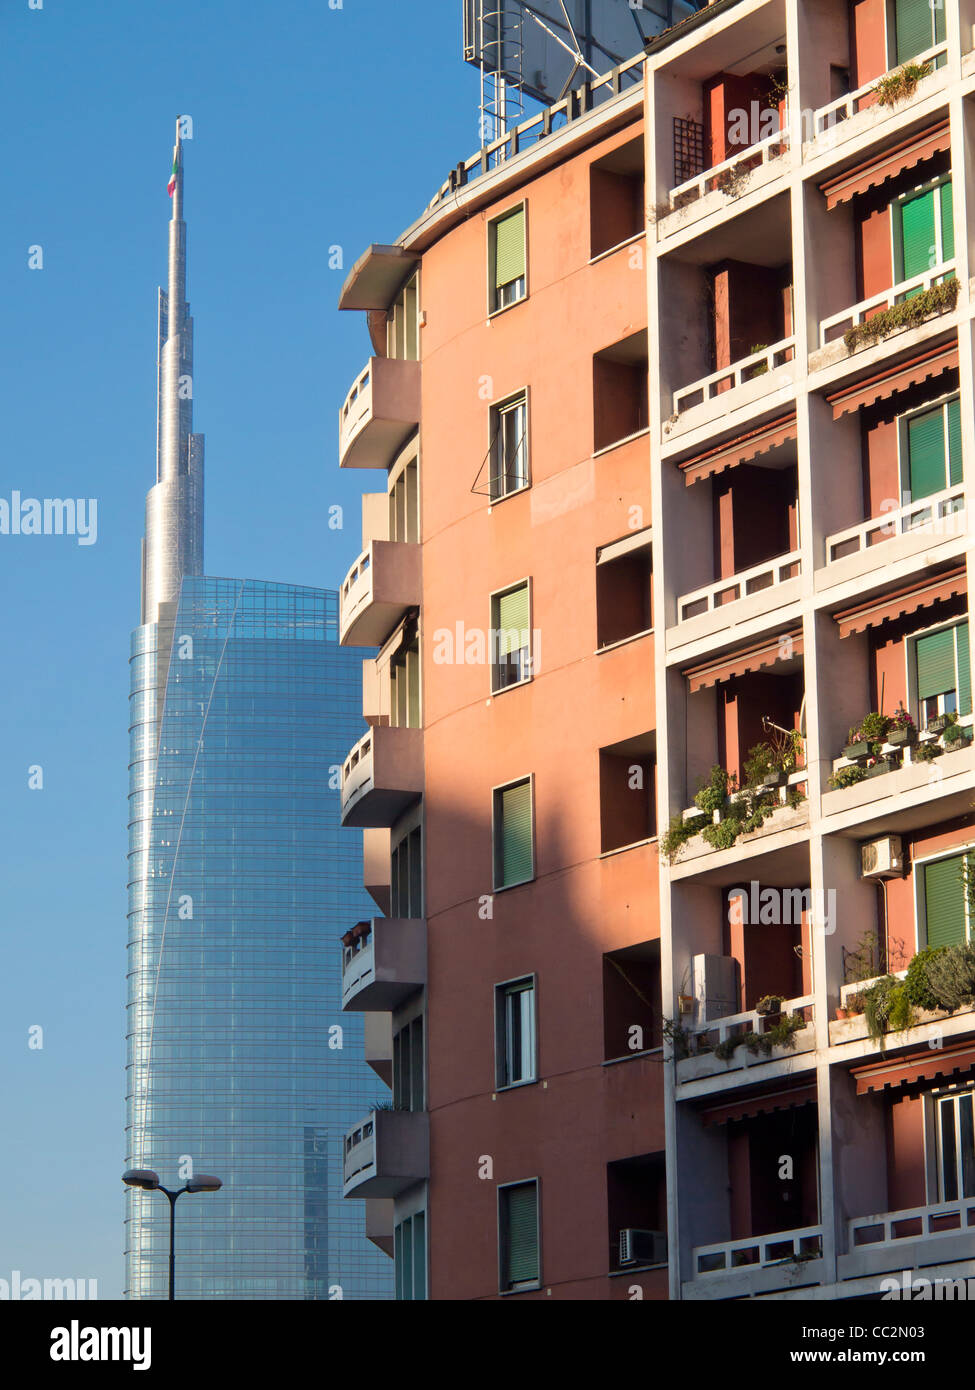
x: 380, y: 413
x: 910, y: 751
x: 378, y: 590
x: 385, y: 963
x: 834, y: 327
x: 382, y: 776
x: 759, y: 1252
x: 731, y: 1024
x: 386, y: 1152
x: 752, y: 581
x: 936, y: 1219
x: 939, y: 517
x: 748, y: 369
x: 845, y: 108
x: 744, y: 162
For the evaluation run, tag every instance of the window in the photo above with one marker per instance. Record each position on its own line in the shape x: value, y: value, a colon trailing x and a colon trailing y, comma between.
x: 514, y: 1041
x: 404, y: 681
x: 509, y: 446
x: 624, y: 578
x: 410, y: 1258
x: 931, y: 449
x: 924, y: 230
x: 507, y: 257
x: 402, y: 324
x: 518, y: 1237
x: 408, y: 1089
x: 627, y: 792
x: 945, y: 902
x: 514, y: 852
x: 943, y: 672
x: 632, y: 1012
x: 955, y: 1130
x: 406, y: 886
x: 616, y: 198
x: 404, y: 506
x: 918, y: 26
x: 511, y: 637
x: 620, y: 384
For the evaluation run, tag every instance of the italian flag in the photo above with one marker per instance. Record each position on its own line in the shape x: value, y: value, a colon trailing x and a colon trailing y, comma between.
x: 171, y: 186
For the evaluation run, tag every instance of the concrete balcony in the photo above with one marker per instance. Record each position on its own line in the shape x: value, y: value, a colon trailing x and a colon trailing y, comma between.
x: 380, y: 413
x: 377, y: 1048
x: 837, y: 325
x: 721, y: 186
x: 859, y: 114
x: 378, y: 591
x: 385, y: 964
x: 379, y: 1223
x: 759, y: 1265
x: 918, y: 1236
x: 382, y: 777
x: 743, y: 382
x: 386, y: 1153
x: 704, y: 1062
x: 905, y: 532
x: 897, y: 791
x: 752, y: 593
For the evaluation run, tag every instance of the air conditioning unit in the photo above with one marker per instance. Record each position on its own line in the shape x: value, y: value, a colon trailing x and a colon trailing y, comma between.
x: 643, y: 1247
x: 715, y: 984
x: 882, y: 858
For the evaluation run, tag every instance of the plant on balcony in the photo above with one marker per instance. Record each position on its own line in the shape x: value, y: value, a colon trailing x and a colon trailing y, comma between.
x: 677, y: 834
x: 956, y: 736
x: 781, y: 1034
x: 887, y: 1007
x: 731, y: 182
x: 901, y: 84
x: 847, y: 777
x: 941, y: 722
x: 939, y: 299
x: 927, y: 752
x: 760, y: 368
x: 901, y: 731
x: 951, y: 977
x: 917, y: 985
x: 769, y: 1004
x: 679, y: 1037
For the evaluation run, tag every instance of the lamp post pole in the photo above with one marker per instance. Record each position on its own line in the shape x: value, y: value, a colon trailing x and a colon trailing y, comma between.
x: 148, y: 1181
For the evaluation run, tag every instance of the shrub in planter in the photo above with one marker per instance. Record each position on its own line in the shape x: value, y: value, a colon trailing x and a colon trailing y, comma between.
x: 951, y: 977
x: 886, y: 1005
x: 901, y: 84
x: 939, y: 299
x: 917, y: 986
x: 847, y: 777
x: 878, y: 766
x: 956, y: 736
x: 713, y: 795
x: 769, y: 1004
x: 927, y: 752
x: 902, y: 730
x: 856, y: 748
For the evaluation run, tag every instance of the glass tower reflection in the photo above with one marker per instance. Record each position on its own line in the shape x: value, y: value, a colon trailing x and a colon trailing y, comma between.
x: 240, y: 1061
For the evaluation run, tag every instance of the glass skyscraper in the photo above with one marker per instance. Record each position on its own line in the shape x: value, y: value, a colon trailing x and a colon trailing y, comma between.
x: 240, y: 1060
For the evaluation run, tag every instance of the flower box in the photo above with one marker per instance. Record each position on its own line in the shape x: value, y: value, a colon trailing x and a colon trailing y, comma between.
x: 881, y: 766
x: 775, y: 779
x: 860, y: 749
x: 902, y: 737
x: 938, y: 724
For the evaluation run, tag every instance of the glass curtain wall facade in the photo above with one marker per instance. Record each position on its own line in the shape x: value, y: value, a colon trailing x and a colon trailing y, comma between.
x: 240, y: 1061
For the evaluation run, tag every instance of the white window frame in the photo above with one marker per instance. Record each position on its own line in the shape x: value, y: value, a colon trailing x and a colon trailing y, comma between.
x: 910, y: 656
x: 502, y: 1040
x: 528, y: 777
x: 495, y: 412
x: 492, y: 631
x: 494, y: 292
x: 920, y: 904
x: 896, y: 235
x: 903, y: 450
x: 934, y: 1170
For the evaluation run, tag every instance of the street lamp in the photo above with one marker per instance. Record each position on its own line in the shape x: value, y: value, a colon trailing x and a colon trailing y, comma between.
x: 148, y: 1181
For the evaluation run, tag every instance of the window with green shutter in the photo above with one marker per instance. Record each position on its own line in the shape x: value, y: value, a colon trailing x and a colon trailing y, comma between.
x: 514, y: 858
x: 944, y: 902
x: 964, y: 659
x: 518, y: 1219
x: 510, y: 258
x: 918, y: 26
x: 947, y: 200
x: 510, y: 638
x: 918, y: 235
x: 926, y: 448
x: 954, y: 442
x: 943, y: 668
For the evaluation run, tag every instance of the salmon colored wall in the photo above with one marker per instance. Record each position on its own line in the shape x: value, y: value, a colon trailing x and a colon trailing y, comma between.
x: 874, y: 250
x: 581, y: 1115
x: 748, y: 310
x: 754, y: 517
x: 869, y: 41
x: 902, y: 892
x: 906, y: 1186
x: 765, y: 953
x: 741, y: 704
x: 882, y: 480
x: 723, y: 94
x: 616, y: 208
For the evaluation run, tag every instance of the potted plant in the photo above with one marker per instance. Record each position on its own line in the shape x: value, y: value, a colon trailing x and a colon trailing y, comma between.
x: 902, y: 732
x: 769, y: 1004
x: 348, y: 939
x: 876, y: 767
x: 956, y: 736
x: 940, y: 722
x: 685, y: 1003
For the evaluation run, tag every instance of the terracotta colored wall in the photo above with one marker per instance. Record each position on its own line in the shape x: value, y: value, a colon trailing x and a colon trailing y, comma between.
x: 765, y: 953
x: 616, y: 208
x: 868, y: 41
x: 748, y: 310
x: 754, y: 517
x: 723, y: 94
x: 742, y: 703
x: 905, y: 1154
x: 581, y: 1115
x: 874, y: 253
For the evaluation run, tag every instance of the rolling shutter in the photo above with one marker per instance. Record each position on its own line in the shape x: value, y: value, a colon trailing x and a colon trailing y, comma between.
x: 954, y: 442
x: 964, y: 670
x: 926, y: 452
x: 509, y: 248
x: 915, y: 30
x: 947, y: 221
x: 521, y: 1235
x: 944, y: 902
x: 918, y: 238
x: 516, y: 835
x: 513, y: 621
x: 936, y: 663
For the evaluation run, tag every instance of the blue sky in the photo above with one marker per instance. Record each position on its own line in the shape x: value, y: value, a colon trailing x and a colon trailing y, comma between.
x: 312, y: 127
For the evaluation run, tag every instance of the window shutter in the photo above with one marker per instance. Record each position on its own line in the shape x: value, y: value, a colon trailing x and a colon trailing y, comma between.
x: 947, y: 220
x: 516, y: 834
x: 915, y: 30
x: 944, y: 902
x: 917, y: 233
x: 513, y: 621
x: 509, y: 248
x: 521, y: 1205
x: 926, y: 451
x: 936, y: 663
x: 964, y: 670
x: 954, y: 442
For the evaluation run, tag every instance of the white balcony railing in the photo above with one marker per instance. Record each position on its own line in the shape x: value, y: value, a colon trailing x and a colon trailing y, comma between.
x: 845, y: 108
x: 360, y: 1148
x: 744, y: 162
x: 734, y: 1023
x: 799, y: 778
x: 835, y: 326
x: 737, y: 586
x: 910, y: 750
x: 358, y: 403
x: 940, y: 517
x: 758, y: 1252
x: 848, y: 992
x: 748, y: 369
x: 937, y: 1219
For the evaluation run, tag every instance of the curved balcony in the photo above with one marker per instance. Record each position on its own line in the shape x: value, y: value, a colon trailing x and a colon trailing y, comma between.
x: 385, y: 964
x: 382, y: 777
x: 380, y: 413
x: 378, y: 590
x: 386, y: 1152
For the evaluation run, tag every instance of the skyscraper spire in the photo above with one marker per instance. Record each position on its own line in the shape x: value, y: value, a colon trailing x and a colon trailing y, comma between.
x: 174, y: 508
